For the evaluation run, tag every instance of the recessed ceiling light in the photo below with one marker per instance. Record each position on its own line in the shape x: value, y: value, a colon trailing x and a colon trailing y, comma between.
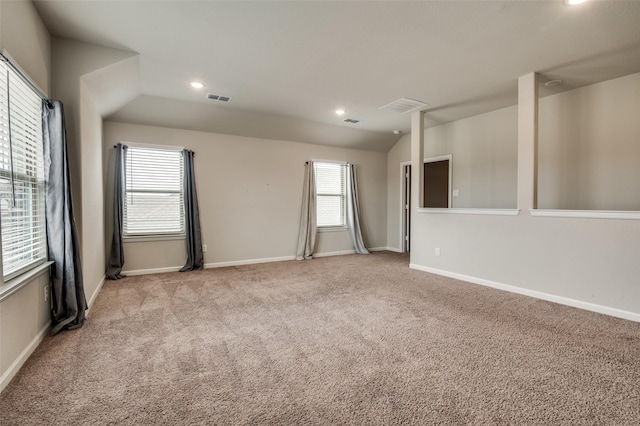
x: 396, y: 132
x: 197, y: 85
x: 552, y: 83
x: 574, y: 2
x: 341, y: 111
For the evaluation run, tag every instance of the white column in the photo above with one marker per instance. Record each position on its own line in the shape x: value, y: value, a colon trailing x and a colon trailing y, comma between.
x: 417, y: 158
x: 528, y: 141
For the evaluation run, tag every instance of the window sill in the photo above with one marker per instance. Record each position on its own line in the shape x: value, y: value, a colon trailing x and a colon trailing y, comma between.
x: 148, y: 238
x: 13, y: 285
x: 586, y: 214
x: 491, y: 212
x: 332, y: 229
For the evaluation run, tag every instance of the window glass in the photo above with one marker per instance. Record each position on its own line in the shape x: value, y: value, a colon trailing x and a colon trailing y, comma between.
x: 153, y: 204
x: 21, y: 175
x: 330, y: 194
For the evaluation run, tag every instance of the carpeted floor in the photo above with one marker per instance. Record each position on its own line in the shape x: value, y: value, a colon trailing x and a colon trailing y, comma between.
x: 355, y: 339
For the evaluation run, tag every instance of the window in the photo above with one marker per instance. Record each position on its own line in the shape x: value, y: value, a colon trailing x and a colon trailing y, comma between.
x: 153, y: 199
x: 330, y: 194
x: 22, y: 212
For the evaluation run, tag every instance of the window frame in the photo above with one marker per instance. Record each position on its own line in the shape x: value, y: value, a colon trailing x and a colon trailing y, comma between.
x: 159, y: 235
x: 32, y: 178
x: 343, y: 195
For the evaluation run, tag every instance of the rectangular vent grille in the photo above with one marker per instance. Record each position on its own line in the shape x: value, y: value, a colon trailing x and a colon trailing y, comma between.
x: 404, y: 105
x: 351, y: 120
x: 218, y: 98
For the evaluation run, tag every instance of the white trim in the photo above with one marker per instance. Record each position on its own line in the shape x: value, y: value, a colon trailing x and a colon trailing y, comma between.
x: 151, y: 271
x: 341, y: 162
x: 25, y: 75
x: 631, y: 316
x: 332, y: 228
x: 379, y: 249
x: 153, y: 237
x: 22, y: 358
x: 491, y: 212
x: 248, y: 262
x: 403, y: 214
x: 152, y: 146
x: 94, y: 296
x: 393, y: 249
x: 334, y: 253
x: 13, y: 285
x: 586, y: 214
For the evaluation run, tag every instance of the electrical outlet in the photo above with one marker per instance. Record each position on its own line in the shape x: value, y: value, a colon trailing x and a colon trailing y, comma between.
x: 46, y: 293
x: 204, y: 248
x: 437, y: 251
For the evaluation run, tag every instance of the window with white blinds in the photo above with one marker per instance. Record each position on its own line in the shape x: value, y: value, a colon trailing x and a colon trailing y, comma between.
x: 153, y: 199
x: 22, y: 213
x: 330, y: 194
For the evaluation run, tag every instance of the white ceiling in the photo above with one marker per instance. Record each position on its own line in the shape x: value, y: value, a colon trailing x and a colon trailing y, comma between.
x: 289, y: 65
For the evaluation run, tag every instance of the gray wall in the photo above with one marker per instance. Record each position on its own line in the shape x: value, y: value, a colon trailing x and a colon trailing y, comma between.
x: 24, y: 316
x: 589, y: 147
x: 586, y: 262
x: 484, y: 153
x: 78, y: 79
x: 250, y: 193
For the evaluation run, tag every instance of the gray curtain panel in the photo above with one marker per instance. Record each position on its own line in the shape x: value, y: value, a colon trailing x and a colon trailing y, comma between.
x: 353, y: 211
x: 195, y: 257
x: 67, y: 291
x: 116, y: 258
x: 307, y: 235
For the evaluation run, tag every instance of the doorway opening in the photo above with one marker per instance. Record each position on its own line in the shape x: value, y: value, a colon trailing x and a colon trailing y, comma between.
x: 405, y: 243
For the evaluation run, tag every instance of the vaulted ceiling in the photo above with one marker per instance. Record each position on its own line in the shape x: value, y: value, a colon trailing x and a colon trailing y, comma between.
x: 287, y: 66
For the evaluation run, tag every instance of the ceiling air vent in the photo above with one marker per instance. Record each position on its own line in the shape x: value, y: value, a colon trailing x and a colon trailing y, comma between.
x: 351, y: 120
x: 404, y: 105
x: 218, y: 98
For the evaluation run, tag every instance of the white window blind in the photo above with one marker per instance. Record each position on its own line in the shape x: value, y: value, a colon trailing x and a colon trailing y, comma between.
x: 22, y: 212
x: 330, y: 194
x: 153, y: 204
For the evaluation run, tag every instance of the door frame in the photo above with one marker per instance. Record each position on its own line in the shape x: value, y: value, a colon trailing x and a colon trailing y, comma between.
x: 405, y: 212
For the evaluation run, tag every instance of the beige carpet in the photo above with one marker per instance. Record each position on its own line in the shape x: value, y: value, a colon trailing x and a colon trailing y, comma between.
x: 354, y: 339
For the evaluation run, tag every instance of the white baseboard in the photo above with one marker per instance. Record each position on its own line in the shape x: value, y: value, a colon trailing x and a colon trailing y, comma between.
x: 334, y: 253
x: 631, y: 316
x: 248, y: 262
x: 393, y: 249
x: 22, y: 358
x: 245, y: 262
x: 151, y: 271
x: 95, y: 295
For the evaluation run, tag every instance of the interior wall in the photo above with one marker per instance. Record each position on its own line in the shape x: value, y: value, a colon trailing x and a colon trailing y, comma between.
x: 250, y: 195
x: 590, y: 263
x: 92, y: 194
x: 24, y: 315
x: 27, y: 40
x: 399, y: 153
x: 74, y: 82
x: 588, y: 147
x: 484, y: 153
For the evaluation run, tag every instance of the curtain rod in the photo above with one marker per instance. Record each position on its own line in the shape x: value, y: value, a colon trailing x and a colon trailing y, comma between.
x: 22, y: 76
